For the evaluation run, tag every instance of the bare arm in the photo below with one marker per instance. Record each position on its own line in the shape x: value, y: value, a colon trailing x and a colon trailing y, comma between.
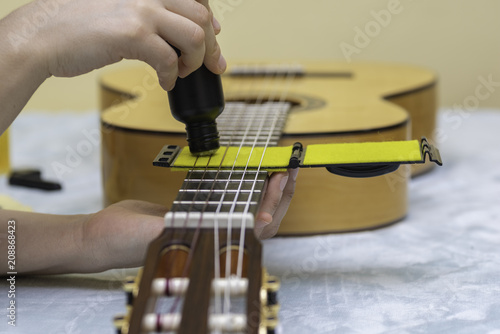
x: 77, y: 37
x: 116, y: 237
x: 66, y: 38
x: 22, y: 74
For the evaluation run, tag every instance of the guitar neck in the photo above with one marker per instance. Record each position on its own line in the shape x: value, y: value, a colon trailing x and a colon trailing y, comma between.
x: 233, y: 194
x: 217, y: 194
x: 213, y: 215
x: 252, y: 124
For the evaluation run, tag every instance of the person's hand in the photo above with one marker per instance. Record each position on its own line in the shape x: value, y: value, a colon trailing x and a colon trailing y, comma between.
x: 118, y: 236
x: 72, y: 37
x: 277, y: 198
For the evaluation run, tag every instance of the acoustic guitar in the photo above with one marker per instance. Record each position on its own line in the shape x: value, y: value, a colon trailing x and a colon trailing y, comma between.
x: 314, y: 103
x: 204, y: 278
x: 204, y: 274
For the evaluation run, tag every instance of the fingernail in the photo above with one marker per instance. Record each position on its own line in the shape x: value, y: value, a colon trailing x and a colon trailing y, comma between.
x: 222, y: 63
x: 293, y: 173
x: 283, y: 182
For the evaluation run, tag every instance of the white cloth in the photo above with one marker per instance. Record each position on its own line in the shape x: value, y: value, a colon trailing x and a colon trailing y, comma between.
x: 437, y: 271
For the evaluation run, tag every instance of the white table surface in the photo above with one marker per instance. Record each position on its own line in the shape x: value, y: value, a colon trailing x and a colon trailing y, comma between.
x: 438, y: 271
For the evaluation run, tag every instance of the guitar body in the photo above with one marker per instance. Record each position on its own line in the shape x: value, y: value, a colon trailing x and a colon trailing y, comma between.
x: 331, y: 102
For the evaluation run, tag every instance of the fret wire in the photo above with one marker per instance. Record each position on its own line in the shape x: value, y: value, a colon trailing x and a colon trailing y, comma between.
x: 195, y: 182
x: 213, y: 197
x: 210, y: 181
x: 222, y: 185
x: 221, y: 172
x: 235, y: 183
x: 219, y: 190
x: 242, y: 135
x: 224, y: 176
x: 208, y: 202
x: 225, y: 138
x: 258, y: 144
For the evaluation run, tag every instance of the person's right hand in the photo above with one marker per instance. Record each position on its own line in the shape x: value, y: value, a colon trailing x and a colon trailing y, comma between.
x: 73, y: 37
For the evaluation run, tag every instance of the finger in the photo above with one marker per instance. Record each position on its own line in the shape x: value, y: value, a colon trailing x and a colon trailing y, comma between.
x: 158, y: 54
x: 214, y: 60
x: 215, y: 23
x: 271, y: 229
x: 271, y: 201
x: 187, y: 36
x: 213, y: 56
x: 217, y: 26
x: 201, y: 15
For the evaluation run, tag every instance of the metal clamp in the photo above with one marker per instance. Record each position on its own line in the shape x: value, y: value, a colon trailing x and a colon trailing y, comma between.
x: 297, y: 158
x: 167, y: 156
x: 431, y: 151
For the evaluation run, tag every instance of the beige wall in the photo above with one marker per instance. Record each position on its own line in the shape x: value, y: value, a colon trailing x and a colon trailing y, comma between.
x: 459, y: 39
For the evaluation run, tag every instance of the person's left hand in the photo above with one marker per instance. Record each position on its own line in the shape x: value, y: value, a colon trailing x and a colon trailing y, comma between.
x: 118, y: 236
x: 277, y: 198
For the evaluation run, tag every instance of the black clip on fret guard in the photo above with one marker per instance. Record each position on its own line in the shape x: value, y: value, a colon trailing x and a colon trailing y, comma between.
x: 167, y: 156
x: 297, y: 156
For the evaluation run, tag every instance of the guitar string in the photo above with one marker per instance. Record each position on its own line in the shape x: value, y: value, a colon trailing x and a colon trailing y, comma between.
x: 227, y: 301
x: 189, y: 178
x: 211, y: 191
x: 250, y: 127
x: 271, y: 108
x: 259, y: 100
x: 202, y: 211
x: 240, y: 112
x: 184, y: 230
x: 186, y: 220
x: 241, y: 247
x: 288, y: 79
x: 224, y: 192
x: 195, y: 238
x: 173, y: 210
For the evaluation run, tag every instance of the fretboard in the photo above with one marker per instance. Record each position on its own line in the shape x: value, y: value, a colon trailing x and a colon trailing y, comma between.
x: 231, y: 194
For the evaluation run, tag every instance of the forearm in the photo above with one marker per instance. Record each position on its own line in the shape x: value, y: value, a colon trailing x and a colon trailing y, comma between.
x: 21, y: 68
x: 80, y: 36
x: 44, y: 244
x: 116, y: 237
